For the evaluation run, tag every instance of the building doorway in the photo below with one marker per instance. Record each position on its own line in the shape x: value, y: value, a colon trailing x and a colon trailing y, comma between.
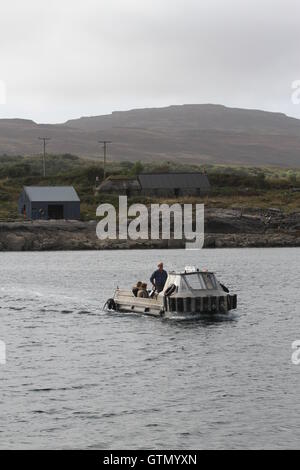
x: 56, y: 211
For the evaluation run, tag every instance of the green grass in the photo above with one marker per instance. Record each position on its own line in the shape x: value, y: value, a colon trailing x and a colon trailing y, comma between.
x: 232, y: 186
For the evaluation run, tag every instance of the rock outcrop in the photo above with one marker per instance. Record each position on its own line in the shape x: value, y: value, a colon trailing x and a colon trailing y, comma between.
x: 223, y: 229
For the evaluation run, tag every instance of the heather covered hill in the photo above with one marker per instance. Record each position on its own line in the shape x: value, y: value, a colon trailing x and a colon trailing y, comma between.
x: 190, y: 133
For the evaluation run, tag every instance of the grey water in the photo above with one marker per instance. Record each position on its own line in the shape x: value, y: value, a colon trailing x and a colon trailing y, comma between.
x: 79, y: 377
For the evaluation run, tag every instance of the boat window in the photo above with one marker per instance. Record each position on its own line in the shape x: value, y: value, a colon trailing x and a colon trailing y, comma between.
x: 183, y: 284
x: 209, y: 280
x: 194, y: 281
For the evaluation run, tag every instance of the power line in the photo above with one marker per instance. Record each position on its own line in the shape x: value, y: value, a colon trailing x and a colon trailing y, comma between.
x: 104, y: 142
x: 45, y: 140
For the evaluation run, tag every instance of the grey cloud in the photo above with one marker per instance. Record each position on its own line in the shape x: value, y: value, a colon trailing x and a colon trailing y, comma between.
x: 64, y: 59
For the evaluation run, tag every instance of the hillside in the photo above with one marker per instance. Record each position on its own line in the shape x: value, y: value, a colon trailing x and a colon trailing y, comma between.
x: 189, y: 133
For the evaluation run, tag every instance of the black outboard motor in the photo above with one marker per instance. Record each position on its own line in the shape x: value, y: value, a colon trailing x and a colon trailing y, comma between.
x: 109, y: 305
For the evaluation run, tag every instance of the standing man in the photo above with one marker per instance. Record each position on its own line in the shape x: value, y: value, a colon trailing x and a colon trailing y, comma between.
x: 159, y: 278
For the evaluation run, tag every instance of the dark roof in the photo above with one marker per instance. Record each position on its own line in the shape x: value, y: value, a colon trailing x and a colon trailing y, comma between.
x: 120, y: 178
x: 51, y: 193
x: 119, y: 184
x: 173, y: 181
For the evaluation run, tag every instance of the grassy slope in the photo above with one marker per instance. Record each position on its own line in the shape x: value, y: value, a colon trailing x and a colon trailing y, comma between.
x: 232, y: 186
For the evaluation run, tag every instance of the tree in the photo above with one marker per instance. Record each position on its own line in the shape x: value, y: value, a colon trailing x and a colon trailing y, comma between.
x: 137, y: 168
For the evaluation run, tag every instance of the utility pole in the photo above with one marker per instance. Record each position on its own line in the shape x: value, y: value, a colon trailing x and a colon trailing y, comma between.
x: 45, y: 141
x: 104, y: 142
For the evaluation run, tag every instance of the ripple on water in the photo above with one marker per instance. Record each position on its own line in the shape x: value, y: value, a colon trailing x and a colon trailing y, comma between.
x: 78, y: 377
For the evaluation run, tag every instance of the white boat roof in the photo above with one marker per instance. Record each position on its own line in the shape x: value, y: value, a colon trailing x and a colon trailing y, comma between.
x: 190, y: 271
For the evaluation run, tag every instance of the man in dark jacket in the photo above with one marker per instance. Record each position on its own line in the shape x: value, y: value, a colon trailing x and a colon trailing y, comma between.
x: 159, y: 278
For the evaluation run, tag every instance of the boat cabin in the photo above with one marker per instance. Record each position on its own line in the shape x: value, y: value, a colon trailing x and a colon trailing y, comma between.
x: 191, y: 281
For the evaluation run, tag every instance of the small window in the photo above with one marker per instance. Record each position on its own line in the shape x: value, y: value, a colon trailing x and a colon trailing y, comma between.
x: 195, y: 282
x: 209, y: 280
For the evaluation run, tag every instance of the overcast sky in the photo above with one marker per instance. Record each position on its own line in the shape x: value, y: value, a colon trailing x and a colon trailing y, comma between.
x: 62, y: 59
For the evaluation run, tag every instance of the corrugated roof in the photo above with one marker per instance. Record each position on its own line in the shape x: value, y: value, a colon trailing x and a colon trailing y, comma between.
x: 173, y: 181
x: 118, y: 184
x: 51, y: 193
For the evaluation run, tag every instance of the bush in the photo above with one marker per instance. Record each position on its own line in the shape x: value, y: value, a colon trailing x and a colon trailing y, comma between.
x: 16, y: 171
x: 137, y: 168
x: 92, y: 172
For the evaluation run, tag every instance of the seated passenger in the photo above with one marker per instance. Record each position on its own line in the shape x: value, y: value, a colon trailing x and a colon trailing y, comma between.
x: 143, y: 291
x: 136, y: 288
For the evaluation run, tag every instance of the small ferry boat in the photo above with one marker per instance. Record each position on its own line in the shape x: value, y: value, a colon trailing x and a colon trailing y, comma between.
x: 188, y: 293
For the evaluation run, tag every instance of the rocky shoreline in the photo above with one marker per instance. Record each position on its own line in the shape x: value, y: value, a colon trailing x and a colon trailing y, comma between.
x: 224, y: 228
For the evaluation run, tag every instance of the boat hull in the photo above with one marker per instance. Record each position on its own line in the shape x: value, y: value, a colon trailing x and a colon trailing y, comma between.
x: 162, y: 306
